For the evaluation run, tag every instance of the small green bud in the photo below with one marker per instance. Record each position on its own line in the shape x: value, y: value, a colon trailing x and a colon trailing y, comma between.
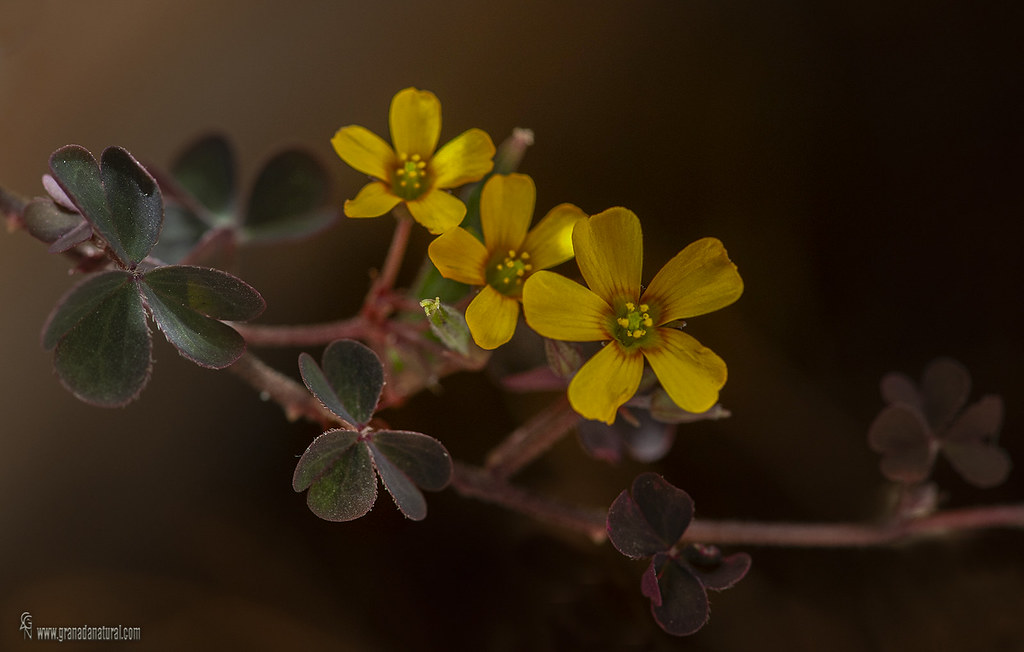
x: 447, y: 324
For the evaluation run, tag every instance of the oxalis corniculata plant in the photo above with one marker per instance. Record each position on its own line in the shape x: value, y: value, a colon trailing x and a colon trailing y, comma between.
x: 622, y: 369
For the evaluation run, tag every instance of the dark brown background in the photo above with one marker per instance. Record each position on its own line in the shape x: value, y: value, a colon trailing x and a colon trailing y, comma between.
x: 862, y: 162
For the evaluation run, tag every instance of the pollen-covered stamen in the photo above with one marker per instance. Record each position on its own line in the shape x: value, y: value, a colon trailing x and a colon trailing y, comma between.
x: 633, y: 323
x: 507, y: 273
x: 410, y: 178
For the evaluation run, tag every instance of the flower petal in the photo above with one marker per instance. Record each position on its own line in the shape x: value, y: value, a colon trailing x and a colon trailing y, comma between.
x: 492, y: 318
x: 690, y: 372
x: 459, y: 256
x: 550, y: 242
x: 437, y: 210
x: 364, y: 150
x: 373, y: 200
x: 415, y: 120
x: 506, y: 209
x: 561, y: 309
x: 609, y: 250
x: 698, y: 280
x: 605, y: 382
x: 467, y: 157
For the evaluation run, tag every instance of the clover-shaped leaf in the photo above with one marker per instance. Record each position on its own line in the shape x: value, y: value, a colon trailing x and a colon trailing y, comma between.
x: 117, y: 196
x: 650, y: 518
x: 649, y: 521
x: 920, y: 422
x: 288, y: 200
x: 349, y: 384
x: 348, y: 381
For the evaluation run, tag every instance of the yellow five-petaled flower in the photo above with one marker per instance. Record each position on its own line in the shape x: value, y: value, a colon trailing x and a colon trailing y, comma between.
x: 508, y: 256
x: 609, y: 251
x: 413, y: 172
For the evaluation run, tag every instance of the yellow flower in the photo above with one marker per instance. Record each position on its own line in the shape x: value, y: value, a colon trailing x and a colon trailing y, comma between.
x: 412, y: 172
x: 508, y: 255
x: 609, y: 251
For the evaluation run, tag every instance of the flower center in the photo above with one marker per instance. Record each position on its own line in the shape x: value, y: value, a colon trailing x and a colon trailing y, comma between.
x: 506, y: 274
x: 409, y: 180
x: 632, y: 324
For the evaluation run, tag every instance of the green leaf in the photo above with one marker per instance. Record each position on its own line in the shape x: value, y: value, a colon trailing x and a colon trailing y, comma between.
x: 210, y: 292
x: 288, y: 198
x: 104, y: 359
x: 203, y: 340
x: 348, y: 382
x: 81, y: 301
x: 206, y: 170
x: 337, y: 470
x: 118, y: 197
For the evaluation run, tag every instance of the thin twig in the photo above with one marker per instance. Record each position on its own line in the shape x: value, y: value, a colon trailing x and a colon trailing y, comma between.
x: 532, y: 439
x: 475, y: 482
x: 303, y: 334
x: 293, y: 397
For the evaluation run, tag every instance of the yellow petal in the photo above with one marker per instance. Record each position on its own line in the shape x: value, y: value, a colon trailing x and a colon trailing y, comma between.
x: 506, y: 209
x: 467, y: 157
x: 698, y: 280
x: 373, y: 200
x: 690, y: 372
x: 415, y: 120
x: 492, y: 317
x: 459, y: 256
x: 561, y: 309
x: 550, y: 242
x: 364, y: 150
x: 609, y: 250
x: 605, y: 382
x: 437, y: 210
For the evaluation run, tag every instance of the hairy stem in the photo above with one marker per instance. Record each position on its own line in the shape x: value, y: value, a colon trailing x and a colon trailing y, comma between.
x: 474, y: 482
x: 532, y: 439
x: 293, y: 397
x: 396, y: 252
x: 855, y: 535
x: 302, y: 334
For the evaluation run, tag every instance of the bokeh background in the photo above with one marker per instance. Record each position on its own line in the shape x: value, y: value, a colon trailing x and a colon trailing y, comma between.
x: 861, y: 161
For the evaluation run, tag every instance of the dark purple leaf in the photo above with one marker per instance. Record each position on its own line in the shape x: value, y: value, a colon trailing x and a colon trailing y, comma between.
x: 684, y: 602
x: 337, y: 470
x: 650, y: 519
x: 209, y: 292
x: 206, y: 170
x: 715, y: 571
x: 105, y: 357
x: 349, y: 381
x: 899, y: 388
x: 203, y: 340
x: 945, y: 385
x: 288, y: 199
x: 424, y: 459
x: 907, y: 446
x: 81, y: 301
x: 600, y: 440
x: 118, y: 196
x: 649, y: 580
x: 407, y: 497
